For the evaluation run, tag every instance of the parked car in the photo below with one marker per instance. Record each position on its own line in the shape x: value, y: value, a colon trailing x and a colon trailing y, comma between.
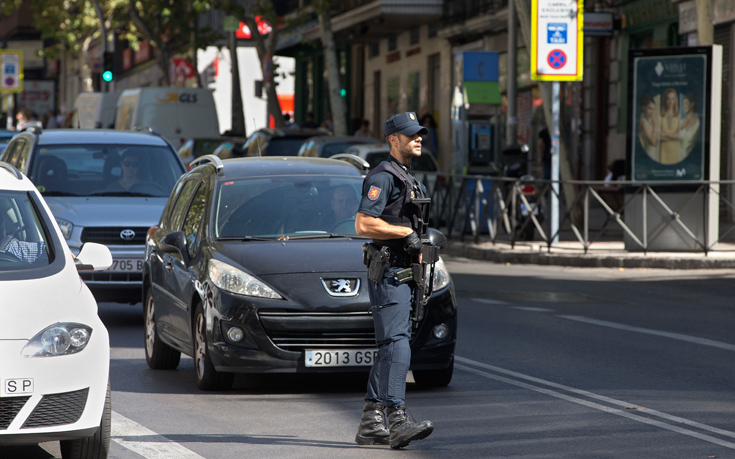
x: 326, y: 146
x: 279, y: 142
x: 54, y: 349
x: 223, y: 146
x: 84, y: 176
x: 5, y: 137
x: 250, y: 270
x: 376, y: 153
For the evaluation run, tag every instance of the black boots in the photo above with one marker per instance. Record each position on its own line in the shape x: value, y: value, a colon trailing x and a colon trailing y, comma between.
x: 403, y: 431
x: 372, y: 430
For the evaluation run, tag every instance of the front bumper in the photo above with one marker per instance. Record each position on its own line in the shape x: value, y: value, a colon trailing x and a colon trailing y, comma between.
x: 67, y: 396
x: 275, y: 341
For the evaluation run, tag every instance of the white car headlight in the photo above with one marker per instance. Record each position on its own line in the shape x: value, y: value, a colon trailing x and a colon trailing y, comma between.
x: 233, y: 280
x: 441, y: 275
x: 65, y: 227
x: 58, y: 339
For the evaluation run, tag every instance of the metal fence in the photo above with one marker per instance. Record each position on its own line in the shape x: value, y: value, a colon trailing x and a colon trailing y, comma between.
x: 496, y: 209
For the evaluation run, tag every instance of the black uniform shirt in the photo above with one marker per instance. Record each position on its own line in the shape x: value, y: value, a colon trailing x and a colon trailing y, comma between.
x: 380, y: 189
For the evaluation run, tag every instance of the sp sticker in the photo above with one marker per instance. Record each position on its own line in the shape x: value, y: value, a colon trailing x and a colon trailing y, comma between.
x: 373, y: 193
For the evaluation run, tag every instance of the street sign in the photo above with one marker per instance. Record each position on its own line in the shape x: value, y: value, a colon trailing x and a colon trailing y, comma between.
x: 557, y: 40
x: 11, y: 71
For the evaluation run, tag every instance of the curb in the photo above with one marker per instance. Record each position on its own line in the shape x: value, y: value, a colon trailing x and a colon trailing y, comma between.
x: 501, y: 253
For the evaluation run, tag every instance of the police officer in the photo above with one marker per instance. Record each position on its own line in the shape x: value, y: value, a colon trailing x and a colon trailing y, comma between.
x: 386, y: 215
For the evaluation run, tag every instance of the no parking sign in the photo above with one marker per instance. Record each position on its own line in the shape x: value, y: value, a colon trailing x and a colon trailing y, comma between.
x: 557, y: 43
x: 11, y: 69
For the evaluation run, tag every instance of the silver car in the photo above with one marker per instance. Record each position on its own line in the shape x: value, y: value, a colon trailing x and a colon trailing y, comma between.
x: 104, y: 186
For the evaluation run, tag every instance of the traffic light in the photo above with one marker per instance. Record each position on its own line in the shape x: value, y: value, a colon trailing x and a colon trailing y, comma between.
x: 107, y: 67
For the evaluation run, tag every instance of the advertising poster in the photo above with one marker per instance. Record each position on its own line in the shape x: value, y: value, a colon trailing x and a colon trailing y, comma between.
x: 669, y: 105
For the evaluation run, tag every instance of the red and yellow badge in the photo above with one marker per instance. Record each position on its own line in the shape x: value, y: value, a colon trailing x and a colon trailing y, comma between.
x: 373, y: 193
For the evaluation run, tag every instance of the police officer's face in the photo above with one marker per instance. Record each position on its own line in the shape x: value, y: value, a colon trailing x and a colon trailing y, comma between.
x: 408, y: 146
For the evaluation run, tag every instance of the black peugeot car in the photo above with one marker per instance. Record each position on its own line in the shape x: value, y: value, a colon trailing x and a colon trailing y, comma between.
x: 252, y: 269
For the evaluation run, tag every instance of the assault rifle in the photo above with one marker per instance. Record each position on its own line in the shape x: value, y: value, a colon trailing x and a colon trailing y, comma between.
x: 423, y: 265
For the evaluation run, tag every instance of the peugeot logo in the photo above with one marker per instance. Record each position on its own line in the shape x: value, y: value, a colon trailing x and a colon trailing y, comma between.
x: 127, y: 234
x: 342, y: 287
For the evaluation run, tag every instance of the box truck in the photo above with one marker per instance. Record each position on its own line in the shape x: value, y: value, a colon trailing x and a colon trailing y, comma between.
x: 95, y: 110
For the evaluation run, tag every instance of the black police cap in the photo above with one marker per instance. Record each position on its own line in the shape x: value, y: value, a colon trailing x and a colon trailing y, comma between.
x: 404, y: 123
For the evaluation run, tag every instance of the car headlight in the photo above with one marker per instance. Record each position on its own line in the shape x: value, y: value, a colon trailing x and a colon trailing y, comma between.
x: 233, y: 280
x: 59, y: 339
x: 441, y: 275
x: 65, y: 227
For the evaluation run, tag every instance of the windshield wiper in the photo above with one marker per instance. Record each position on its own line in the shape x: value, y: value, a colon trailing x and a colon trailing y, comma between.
x: 246, y: 238
x: 122, y: 193
x: 58, y: 193
x: 319, y: 236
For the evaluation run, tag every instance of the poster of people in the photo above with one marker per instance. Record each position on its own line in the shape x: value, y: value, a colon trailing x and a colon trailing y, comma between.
x: 668, y: 115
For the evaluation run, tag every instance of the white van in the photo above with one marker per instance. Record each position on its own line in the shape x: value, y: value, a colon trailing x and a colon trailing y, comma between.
x: 95, y: 110
x: 177, y: 114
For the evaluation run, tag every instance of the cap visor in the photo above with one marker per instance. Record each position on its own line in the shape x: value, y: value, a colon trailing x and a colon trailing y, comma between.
x: 411, y: 130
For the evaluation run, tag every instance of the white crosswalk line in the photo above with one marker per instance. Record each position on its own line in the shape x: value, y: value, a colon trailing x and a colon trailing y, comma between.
x: 145, y: 442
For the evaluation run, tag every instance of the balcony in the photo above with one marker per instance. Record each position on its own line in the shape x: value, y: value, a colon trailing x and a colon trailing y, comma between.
x: 459, y: 11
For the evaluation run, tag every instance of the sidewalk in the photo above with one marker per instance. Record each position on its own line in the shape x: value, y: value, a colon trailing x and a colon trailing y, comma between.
x: 600, y: 255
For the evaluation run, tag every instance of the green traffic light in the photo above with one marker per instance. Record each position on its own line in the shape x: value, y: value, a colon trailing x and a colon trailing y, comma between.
x: 107, y: 76
x: 342, y: 92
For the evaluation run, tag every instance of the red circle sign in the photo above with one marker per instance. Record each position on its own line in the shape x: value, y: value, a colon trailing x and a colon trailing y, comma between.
x: 557, y: 59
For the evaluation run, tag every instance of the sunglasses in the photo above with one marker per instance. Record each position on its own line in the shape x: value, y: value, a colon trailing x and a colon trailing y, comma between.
x: 130, y: 164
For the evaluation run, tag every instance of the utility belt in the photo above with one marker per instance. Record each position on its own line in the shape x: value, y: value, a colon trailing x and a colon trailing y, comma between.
x: 378, y: 258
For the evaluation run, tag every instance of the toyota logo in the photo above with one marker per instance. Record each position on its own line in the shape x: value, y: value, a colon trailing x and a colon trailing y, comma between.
x: 127, y: 234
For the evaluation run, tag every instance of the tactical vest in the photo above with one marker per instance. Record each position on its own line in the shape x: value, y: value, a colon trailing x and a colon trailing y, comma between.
x: 400, y: 212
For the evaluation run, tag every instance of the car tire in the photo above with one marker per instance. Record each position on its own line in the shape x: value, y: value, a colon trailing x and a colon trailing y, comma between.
x: 434, y: 378
x: 208, y: 378
x: 96, y: 446
x: 158, y: 355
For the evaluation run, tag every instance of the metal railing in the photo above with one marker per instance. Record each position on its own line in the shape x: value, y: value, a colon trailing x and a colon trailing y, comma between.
x: 496, y: 209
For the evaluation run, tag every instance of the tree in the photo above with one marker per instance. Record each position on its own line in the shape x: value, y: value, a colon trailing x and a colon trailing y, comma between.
x: 265, y: 45
x: 332, y: 62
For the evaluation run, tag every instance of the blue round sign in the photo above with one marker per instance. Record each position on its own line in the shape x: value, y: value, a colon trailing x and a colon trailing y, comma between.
x: 557, y: 59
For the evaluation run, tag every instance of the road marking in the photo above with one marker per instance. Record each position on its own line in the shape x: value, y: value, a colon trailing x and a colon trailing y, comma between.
x: 145, y: 442
x: 486, y: 301
x: 628, y: 409
x: 678, y: 336
x: 531, y: 309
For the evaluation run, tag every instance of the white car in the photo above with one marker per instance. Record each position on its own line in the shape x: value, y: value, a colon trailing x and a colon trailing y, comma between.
x: 54, y: 349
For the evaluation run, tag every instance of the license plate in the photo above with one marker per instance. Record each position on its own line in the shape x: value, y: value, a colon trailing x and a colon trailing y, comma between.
x: 18, y: 386
x: 340, y: 357
x: 126, y: 265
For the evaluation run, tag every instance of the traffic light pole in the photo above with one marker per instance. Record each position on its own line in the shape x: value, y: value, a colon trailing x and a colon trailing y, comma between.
x: 103, y: 31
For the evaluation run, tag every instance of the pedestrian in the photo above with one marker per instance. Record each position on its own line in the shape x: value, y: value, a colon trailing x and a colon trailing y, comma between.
x: 364, y: 130
x: 309, y: 122
x: 544, y: 152
x: 287, y: 121
x: 24, y: 118
x: 387, y: 215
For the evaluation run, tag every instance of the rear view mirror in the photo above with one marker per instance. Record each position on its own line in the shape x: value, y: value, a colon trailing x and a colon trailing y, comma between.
x: 93, y: 257
x: 437, y: 238
x: 175, y: 243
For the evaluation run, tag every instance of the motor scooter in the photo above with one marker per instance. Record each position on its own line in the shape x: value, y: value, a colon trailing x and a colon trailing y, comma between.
x: 517, y: 167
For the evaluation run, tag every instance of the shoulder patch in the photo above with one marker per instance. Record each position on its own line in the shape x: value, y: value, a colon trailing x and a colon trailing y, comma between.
x: 373, y: 193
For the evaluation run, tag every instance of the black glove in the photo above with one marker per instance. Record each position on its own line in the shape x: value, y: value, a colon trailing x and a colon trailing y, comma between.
x: 413, y: 243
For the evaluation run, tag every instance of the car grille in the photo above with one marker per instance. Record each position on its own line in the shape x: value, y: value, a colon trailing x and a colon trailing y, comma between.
x: 111, y: 235
x: 58, y: 409
x: 9, y: 408
x: 102, y: 276
x: 299, y: 331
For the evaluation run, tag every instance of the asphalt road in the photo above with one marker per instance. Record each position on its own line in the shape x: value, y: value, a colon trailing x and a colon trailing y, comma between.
x: 552, y: 362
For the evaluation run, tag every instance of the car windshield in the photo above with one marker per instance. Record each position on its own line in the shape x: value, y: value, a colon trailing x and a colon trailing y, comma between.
x: 23, y: 241
x: 287, y: 207
x: 206, y: 146
x: 284, y: 146
x: 105, y: 170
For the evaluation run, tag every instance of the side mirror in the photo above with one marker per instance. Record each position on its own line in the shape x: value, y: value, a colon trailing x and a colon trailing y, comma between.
x: 175, y: 243
x: 437, y: 238
x: 93, y: 257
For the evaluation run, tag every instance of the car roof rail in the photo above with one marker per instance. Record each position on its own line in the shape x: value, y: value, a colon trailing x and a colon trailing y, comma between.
x: 12, y: 169
x: 33, y: 128
x: 362, y: 165
x: 147, y: 128
x: 209, y: 159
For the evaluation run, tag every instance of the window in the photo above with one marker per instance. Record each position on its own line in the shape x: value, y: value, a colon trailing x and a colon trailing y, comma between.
x: 392, y: 43
x: 177, y: 214
x: 23, y: 238
x: 374, y: 49
x: 193, y: 223
x: 414, y: 32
